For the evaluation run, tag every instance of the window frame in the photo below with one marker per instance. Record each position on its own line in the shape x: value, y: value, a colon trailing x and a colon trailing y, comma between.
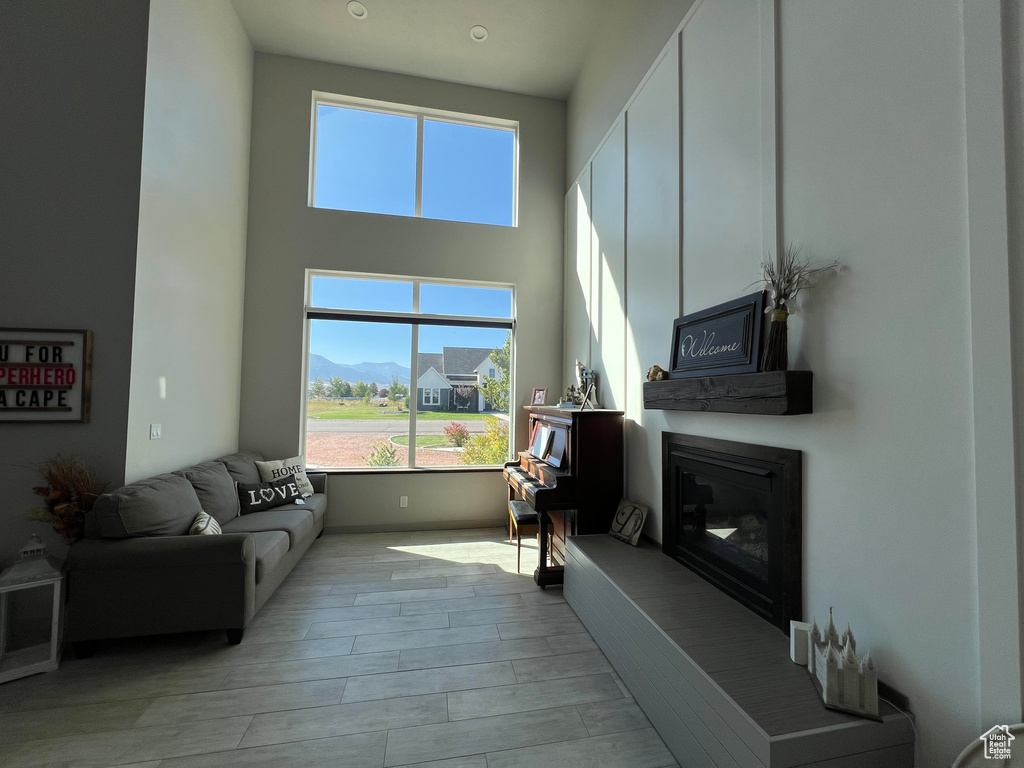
x: 414, y: 319
x: 323, y: 98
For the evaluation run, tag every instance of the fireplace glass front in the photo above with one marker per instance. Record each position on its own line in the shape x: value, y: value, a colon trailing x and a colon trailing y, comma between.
x: 732, y: 514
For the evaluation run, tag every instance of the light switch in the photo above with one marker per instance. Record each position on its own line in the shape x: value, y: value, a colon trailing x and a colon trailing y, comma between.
x: 155, y: 432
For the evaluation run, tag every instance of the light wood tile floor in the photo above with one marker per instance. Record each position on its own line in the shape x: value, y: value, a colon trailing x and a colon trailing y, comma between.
x: 384, y: 649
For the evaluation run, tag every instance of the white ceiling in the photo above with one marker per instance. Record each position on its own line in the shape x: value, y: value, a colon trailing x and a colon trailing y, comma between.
x: 534, y: 47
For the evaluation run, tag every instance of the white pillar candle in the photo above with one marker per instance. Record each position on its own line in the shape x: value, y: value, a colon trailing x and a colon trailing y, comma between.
x: 799, y: 642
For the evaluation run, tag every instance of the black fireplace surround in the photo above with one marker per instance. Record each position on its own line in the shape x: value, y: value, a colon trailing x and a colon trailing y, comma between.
x: 732, y: 514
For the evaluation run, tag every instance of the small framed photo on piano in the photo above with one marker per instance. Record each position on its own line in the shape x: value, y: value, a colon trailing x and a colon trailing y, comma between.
x: 539, y: 396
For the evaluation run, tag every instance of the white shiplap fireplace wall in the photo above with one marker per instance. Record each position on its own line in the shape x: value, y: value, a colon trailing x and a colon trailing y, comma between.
x: 871, y: 133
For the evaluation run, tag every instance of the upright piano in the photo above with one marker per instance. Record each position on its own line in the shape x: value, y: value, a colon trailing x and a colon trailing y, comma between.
x: 571, y: 475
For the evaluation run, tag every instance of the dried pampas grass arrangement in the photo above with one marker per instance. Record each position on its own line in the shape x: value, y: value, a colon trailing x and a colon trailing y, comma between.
x: 784, y: 277
x: 69, y: 491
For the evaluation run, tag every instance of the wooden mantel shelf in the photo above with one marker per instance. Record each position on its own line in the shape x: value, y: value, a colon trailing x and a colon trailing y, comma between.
x: 773, y: 393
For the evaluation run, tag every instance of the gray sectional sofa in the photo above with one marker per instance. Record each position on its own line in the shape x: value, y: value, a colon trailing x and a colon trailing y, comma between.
x: 138, y: 572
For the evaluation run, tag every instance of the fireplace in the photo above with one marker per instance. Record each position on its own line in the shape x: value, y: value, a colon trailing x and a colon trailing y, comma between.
x: 732, y: 514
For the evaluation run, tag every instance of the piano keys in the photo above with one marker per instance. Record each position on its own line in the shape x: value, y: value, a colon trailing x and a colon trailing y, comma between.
x: 575, y: 487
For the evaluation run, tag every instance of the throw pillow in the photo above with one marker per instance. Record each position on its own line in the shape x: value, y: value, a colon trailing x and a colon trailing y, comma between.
x: 204, y: 525
x: 628, y: 522
x: 164, y: 505
x: 215, y: 489
x: 255, y: 497
x: 274, y: 470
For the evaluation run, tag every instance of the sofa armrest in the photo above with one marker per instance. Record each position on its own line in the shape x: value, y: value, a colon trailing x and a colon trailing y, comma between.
x: 159, y: 584
x: 319, y: 481
x: 149, y: 552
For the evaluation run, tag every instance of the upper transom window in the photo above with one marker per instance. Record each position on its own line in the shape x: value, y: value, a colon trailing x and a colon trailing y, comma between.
x: 377, y: 157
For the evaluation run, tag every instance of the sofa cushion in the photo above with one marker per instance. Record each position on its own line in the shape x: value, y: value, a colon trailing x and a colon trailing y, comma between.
x: 257, y: 497
x: 242, y: 466
x: 296, y: 467
x: 317, y: 504
x: 296, y: 522
x: 164, y: 505
x: 271, y: 546
x: 215, y: 489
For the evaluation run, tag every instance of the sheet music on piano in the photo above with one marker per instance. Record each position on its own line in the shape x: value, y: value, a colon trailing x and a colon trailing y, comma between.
x: 571, y: 476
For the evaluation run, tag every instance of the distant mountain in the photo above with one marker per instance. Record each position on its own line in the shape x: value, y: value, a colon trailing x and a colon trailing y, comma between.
x: 382, y: 373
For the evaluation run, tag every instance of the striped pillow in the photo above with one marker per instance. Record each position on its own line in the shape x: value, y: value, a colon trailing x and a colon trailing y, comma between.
x: 204, y: 525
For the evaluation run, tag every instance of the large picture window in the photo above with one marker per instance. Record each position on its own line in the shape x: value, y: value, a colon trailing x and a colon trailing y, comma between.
x: 407, y: 372
x: 378, y: 157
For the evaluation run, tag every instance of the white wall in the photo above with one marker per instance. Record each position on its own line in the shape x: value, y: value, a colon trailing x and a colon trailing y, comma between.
x: 192, y: 227
x: 71, y: 128
x: 1013, y: 48
x: 873, y: 171
x: 286, y: 237
x: 630, y: 37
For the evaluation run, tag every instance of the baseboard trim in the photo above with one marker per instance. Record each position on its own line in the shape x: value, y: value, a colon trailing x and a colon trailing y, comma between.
x: 427, y: 525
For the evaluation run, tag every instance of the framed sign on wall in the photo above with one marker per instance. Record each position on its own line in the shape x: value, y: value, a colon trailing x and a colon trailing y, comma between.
x: 45, y: 375
x: 722, y: 339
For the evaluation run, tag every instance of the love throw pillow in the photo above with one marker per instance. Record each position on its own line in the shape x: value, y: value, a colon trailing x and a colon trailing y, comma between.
x: 255, y: 497
x: 275, y: 470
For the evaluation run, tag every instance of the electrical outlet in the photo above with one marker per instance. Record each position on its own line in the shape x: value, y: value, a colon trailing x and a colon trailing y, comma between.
x: 403, y: 501
x: 155, y: 432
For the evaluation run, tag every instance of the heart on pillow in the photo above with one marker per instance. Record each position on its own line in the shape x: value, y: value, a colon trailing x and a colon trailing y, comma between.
x: 254, y: 497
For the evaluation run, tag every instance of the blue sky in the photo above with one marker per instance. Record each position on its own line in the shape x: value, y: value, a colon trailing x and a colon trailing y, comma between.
x: 351, y: 342
x: 366, y: 161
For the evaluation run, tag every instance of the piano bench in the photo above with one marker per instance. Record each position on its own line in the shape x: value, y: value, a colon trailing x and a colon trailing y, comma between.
x: 523, y: 520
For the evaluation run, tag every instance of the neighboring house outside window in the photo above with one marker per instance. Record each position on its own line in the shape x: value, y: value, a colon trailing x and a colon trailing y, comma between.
x: 369, y: 334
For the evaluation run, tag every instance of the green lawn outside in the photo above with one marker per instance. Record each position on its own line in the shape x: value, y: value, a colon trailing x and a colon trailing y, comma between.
x: 370, y: 412
x: 423, y: 441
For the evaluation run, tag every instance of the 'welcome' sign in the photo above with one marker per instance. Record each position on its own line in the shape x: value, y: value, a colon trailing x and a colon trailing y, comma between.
x: 721, y: 339
x: 45, y: 375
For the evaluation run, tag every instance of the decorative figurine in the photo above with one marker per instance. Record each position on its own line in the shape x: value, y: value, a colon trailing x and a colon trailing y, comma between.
x: 656, y: 373
x: 585, y: 377
x: 571, y: 397
x: 847, y: 683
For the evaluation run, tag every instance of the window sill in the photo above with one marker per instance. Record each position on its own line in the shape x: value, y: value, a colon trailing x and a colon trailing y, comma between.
x: 405, y: 470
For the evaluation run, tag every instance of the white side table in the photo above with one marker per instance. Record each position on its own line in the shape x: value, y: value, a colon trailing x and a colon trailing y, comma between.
x: 33, y: 571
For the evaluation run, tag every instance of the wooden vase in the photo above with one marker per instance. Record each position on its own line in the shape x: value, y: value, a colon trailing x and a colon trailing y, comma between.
x: 776, y: 349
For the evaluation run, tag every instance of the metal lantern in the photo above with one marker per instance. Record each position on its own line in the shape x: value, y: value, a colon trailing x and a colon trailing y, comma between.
x: 30, y: 636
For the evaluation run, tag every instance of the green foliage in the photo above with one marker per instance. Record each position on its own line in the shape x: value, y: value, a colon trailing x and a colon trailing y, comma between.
x: 398, y: 390
x: 374, y: 389
x: 361, y: 388
x: 496, y: 390
x: 491, y: 447
x: 456, y: 434
x: 318, y: 390
x: 384, y: 454
x: 338, y: 387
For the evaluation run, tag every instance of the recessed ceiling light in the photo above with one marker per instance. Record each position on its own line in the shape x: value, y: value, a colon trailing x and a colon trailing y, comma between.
x: 357, y: 10
x: 478, y: 34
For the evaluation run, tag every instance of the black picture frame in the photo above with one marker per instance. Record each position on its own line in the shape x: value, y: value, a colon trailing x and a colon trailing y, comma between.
x: 726, y: 338
x: 77, y: 407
